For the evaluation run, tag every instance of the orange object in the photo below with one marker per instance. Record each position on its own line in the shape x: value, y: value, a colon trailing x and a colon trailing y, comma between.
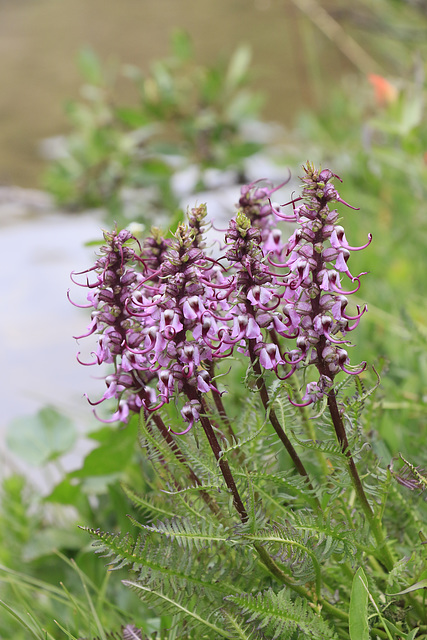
x: 385, y: 92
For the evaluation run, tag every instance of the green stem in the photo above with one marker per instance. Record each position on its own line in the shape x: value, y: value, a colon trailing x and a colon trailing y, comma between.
x: 305, y: 416
x: 375, y: 524
x: 309, y: 426
x: 225, y: 419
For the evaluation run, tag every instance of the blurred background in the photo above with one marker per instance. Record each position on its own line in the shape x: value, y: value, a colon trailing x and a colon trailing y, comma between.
x: 40, y: 41
x: 47, y: 47
x: 102, y: 102
x: 131, y: 111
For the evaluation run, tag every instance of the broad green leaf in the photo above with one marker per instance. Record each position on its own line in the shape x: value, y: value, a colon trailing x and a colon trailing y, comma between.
x: 358, y: 613
x: 42, y: 437
x: 113, y: 455
x: 65, y: 492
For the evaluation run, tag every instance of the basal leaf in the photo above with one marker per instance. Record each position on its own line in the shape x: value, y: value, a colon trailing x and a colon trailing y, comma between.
x: 113, y: 455
x: 358, y: 614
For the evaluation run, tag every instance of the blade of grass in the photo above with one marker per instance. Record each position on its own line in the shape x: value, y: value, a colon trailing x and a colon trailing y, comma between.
x: 358, y: 614
x: 67, y: 633
x: 90, y: 601
x: 19, y: 618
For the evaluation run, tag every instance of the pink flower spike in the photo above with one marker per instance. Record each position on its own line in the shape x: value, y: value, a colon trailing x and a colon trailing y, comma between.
x: 292, y: 202
x: 158, y: 406
x: 282, y: 216
x: 339, y: 199
x: 286, y: 376
x: 278, y: 265
x: 347, y: 293
x: 359, y: 313
x: 91, y: 329
x: 252, y: 329
x: 295, y: 361
x: 113, y: 418
x: 341, y: 264
x: 94, y: 404
x: 355, y: 325
x: 331, y: 339
x: 121, y: 415
x: 300, y: 404
x: 202, y: 385
x: 269, y: 356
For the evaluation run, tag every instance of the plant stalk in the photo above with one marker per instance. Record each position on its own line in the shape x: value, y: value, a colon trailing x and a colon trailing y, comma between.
x: 265, y: 398
x: 374, y: 522
x: 223, y: 464
x: 210, y: 502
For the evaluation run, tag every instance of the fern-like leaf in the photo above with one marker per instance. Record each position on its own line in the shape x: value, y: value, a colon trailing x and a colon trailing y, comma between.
x: 293, y: 548
x: 145, y: 506
x: 187, y: 534
x: 192, y: 612
x: 278, y: 615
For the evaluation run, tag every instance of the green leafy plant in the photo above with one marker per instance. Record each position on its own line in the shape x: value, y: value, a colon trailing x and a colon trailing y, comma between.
x: 204, y: 573
x: 281, y: 523
x: 186, y: 115
x: 39, y: 534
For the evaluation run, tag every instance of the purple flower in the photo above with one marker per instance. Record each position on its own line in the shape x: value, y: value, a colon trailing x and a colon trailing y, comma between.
x: 317, y: 253
x: 166, y: 311
x: 154, y: 316
x: 256, y: 205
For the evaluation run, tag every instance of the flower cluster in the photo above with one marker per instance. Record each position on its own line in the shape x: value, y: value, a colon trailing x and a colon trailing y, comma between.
x: 115, y: 280
x: 255, y: 203
x: 154, y: 313
x: 317, y: 255
x: 166, y: 312
x: 255, y: 296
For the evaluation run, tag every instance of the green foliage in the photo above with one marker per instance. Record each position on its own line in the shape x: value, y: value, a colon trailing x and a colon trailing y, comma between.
x: 358, y: 614
x: 186, y: 114
x: 293, y: 570
x: 279, y: 616
x: 192, y: 561
x: 37, y: 583
x: 41, y: 438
